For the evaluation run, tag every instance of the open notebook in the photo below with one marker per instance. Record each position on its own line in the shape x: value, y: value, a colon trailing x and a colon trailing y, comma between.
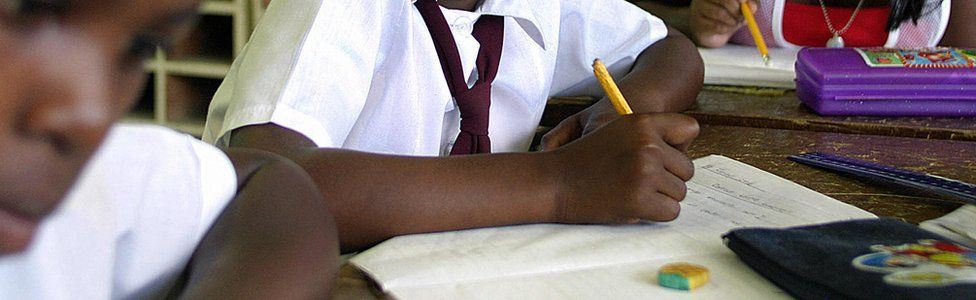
x: 959, y: 226
x: 549, y: 261
x: 742, y: 65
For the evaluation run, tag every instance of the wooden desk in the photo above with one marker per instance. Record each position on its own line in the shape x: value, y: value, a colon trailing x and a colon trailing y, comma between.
x: 767, y: 149
x: 786, y: 112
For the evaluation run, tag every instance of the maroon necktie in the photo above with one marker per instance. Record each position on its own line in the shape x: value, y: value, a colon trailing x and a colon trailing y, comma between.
x: 474, y: 103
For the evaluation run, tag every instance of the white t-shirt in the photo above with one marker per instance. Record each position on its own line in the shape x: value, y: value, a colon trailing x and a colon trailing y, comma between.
x: 129, y: 225
x: 365, y: 75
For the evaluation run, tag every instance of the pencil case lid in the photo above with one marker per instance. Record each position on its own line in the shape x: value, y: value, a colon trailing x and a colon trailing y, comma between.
x: 937, y: 67
x: 887, y: 82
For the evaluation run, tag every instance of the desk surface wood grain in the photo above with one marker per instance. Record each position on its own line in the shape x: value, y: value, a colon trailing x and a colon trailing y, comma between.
x: 786, y: 112
x: 768, y: 149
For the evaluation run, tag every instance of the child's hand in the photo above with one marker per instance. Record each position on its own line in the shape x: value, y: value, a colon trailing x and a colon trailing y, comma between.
x: 632, y: 169
x: 712, y: 22
x: 580, y: 124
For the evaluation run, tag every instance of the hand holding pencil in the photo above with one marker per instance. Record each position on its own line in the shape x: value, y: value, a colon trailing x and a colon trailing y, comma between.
x: 633, y: 169
x: 618, y: 101
x: 712, y: 22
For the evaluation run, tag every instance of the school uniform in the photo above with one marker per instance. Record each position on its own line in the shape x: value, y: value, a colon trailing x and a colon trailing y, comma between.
x: 366, y: 75
x: 793, y: 25
x: 129, y: 224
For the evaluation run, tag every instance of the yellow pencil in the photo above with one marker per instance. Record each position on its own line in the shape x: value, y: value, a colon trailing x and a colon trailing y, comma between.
x: 754, y: 29
x: 613, y: 93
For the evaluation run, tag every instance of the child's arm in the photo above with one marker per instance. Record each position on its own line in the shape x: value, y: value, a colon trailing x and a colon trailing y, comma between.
x: 666, y: 77
x: 709, y: 23
x: 621, y: 173
x: 275, y: 240
x: 962, y: 25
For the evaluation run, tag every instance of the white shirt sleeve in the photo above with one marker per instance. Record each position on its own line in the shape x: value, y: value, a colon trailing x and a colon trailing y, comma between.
x: 180, y: 188
x: 305, y: 60
x: 218, y: 183
x: 614, y: 31
x: 129, y: 224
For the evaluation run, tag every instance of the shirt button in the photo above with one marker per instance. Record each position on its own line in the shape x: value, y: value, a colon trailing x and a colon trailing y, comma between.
x: 462, y: 23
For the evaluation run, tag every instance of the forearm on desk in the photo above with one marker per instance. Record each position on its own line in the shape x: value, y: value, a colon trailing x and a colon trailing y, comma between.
x: 625, y: 172
x: 666, y: 77
x: 375, y: 197
x: 380, y: 196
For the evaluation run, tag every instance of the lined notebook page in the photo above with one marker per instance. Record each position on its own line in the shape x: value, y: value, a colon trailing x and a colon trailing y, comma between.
x: 742, y: 65
x: 595, y: 261
x: 960, y: 226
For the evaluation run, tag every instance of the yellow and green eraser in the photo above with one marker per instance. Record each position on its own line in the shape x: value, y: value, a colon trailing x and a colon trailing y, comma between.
x: 682, y: 276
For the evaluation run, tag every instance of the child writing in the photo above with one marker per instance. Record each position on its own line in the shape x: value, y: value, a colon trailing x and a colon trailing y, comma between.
x: 793, y: 23
x: 148, y: 213
x: 414, y: 116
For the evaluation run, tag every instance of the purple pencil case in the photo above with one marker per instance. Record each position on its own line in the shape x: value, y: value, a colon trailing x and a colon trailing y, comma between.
x: 887, y: 82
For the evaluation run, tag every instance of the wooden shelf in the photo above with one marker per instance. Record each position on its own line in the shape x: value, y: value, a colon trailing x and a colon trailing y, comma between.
x: 257, y: 9
x: 183, y: 82
x: 191, y: 128
x: 204, y: 68
x: 220, y: 8
x: 139, y: 119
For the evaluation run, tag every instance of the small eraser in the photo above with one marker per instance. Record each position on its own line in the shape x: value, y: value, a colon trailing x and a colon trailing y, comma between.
x: 682, y: 276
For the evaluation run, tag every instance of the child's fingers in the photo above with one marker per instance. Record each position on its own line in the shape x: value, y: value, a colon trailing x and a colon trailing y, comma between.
x: 714, y: 26
x: 567, y: 131
x: 659, y: 207
x: 677, y: 163
x: 725, y: 11
x: 672, y: 186
x: 682, y: 131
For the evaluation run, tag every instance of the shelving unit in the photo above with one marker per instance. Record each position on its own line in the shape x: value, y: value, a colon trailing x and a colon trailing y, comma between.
x: 257, y: 9
x: 183, y: 81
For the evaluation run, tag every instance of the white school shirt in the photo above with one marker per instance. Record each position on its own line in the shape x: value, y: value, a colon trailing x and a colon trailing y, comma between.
x: 364, y: 75
x: 129, y: 225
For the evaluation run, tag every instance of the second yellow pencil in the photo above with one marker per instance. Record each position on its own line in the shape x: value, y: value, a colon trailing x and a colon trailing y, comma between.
x: 754, y: 29
x: 610, y: 87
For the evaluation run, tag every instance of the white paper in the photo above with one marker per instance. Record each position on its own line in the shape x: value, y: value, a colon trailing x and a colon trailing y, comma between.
x: 595, y: 261
x: 742, y: 65
x: 959, y: 226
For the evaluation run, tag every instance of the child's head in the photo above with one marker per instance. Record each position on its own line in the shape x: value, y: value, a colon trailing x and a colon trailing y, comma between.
x: 68, y: 70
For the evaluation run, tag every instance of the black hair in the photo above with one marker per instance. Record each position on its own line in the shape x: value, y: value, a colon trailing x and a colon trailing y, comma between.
x: 904, y: 10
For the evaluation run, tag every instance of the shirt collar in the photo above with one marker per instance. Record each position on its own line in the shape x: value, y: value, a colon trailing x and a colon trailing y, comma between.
x: 525, y: 14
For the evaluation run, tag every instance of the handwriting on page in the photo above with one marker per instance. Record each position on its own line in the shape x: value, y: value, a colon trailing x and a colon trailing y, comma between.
x: 725, y: 195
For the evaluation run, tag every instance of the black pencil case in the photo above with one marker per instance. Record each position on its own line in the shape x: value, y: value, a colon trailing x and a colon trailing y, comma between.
x: 859, y: 259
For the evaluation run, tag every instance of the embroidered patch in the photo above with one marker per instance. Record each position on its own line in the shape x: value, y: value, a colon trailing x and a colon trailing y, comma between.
x: 969, y: 53
x: 928, y: 263
x: 937, y: 58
